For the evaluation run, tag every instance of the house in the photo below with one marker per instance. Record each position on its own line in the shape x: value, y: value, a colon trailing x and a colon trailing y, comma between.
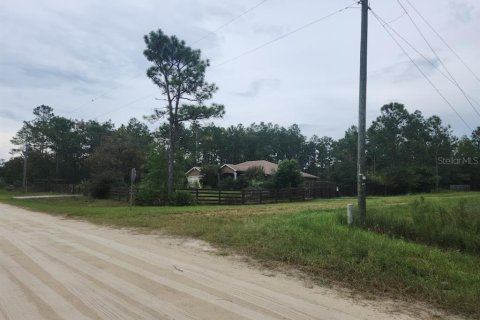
x: 235, y: 170
x: 193, y: 177
x: 269, y: 169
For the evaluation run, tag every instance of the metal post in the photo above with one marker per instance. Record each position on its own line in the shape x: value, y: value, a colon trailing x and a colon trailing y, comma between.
x: 361, y: 156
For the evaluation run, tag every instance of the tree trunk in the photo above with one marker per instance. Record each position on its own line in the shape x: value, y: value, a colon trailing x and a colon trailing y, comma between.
x: 171, y: 158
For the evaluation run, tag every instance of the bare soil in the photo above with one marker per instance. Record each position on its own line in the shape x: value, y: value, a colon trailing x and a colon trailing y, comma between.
x: 54, y: 268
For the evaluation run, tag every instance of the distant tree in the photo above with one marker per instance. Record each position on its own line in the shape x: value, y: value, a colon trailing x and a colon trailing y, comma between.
x: 118, y: 153
x: 210, y: 174
x: 476, y: 137
x: 344, y: 158
x: 179, y: 72
x: 35, y: 132
x: 288, y: 175
x: 92, y: 133
x: 12, y: 170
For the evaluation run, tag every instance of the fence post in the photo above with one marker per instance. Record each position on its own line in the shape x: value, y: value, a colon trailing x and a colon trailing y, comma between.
x: 261, y: 196
x: 349, y: 214
x: 196, y: 195
x: 304, y: 192
x: 243, y: 196
x: 219, y: 196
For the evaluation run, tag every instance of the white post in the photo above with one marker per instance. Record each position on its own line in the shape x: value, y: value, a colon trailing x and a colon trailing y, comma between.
x: 349, y: 214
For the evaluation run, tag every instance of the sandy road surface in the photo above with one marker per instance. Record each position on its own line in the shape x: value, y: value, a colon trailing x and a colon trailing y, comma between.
x: 52, y: 268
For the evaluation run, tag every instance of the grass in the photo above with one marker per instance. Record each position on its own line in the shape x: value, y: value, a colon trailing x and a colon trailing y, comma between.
x: 310, y: 237
x: 452, y: 223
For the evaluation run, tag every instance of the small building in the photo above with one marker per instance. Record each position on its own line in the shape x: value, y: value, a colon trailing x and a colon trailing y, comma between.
x: 194, y: 176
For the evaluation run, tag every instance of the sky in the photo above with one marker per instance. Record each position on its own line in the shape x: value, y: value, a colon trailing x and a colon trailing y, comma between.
x: 85, y: 59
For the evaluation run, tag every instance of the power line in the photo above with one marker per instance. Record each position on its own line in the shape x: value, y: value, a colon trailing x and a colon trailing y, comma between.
x: 125, y: 105
x: 443, y: 40
x: 200, y: 39
x: 229, y: 22
x: 388, y: 24
x: 383, y: 24
x: 265, y: 44
x: 438, y: 58
x: 96, y: 98
x: 283, y: 36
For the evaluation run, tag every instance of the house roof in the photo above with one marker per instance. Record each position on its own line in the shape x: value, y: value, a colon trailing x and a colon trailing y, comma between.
x: 268, y: 167
x: 194, y: 168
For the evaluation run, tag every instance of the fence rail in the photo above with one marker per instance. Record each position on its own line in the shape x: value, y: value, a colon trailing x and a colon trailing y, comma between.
x: 215, y: 196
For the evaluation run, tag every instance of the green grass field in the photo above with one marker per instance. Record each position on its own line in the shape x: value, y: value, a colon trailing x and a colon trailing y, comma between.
x: 419, y: 248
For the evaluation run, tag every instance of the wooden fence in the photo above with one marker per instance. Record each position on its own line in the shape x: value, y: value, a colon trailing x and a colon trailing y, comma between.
x: 315, y: 190
x: 214, y: 196
x: 121, y: 193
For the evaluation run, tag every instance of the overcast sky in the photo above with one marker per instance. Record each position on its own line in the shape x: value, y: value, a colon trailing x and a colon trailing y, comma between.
x: 84, y: 59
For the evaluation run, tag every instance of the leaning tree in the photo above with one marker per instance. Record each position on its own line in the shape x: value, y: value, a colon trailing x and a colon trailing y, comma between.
x: 179, y: 72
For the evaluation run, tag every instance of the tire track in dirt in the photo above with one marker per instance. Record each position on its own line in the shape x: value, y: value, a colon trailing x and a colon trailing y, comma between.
x: 96, y: 293
x: 239, y: 297
x: 67, y: 269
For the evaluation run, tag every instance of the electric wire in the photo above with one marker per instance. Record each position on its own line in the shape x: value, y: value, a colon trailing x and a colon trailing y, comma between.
x: 229, y: 22
x: 195, y: 42
x: 444, y: 41
x: 285, y: 35
x: 419, y: 69
x: 388, y: 24
x: 125, y: 105
x: 438, y: 58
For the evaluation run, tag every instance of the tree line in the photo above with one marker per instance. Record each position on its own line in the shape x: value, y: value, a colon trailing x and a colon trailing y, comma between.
x: 406, y: 152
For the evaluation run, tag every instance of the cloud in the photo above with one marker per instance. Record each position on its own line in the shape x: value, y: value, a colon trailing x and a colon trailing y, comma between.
x: 269, y: 30
x: 8, y: 114
x: 406, y: 71
x: 259, y: 85
x: 462, y: 11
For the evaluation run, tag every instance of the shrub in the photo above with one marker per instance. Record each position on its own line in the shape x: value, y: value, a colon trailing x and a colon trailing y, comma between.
x: 148, y: 195
x: 84, y: 187
x: 288, y: 175
x: 447, y: 224
x: 101, y: 185
x: 17, y: 184
x: 181, y: 198
x: 210, y: 175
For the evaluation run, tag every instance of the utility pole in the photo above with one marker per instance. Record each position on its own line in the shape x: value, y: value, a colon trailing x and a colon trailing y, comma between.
x: 361, y: 156
x: 25, y: 159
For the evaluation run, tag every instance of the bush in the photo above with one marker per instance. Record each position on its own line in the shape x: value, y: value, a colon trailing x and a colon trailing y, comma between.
x: 17, y: 184
x: 84, y: 187
x: 101, y: 185
x: 2, y: 183
x: 181, y: 198
x: 210, y: 175
x: 148, y: 195
x: 288, y: 175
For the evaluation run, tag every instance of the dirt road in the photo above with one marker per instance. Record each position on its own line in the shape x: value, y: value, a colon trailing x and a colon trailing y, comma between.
x: 52, y: 268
